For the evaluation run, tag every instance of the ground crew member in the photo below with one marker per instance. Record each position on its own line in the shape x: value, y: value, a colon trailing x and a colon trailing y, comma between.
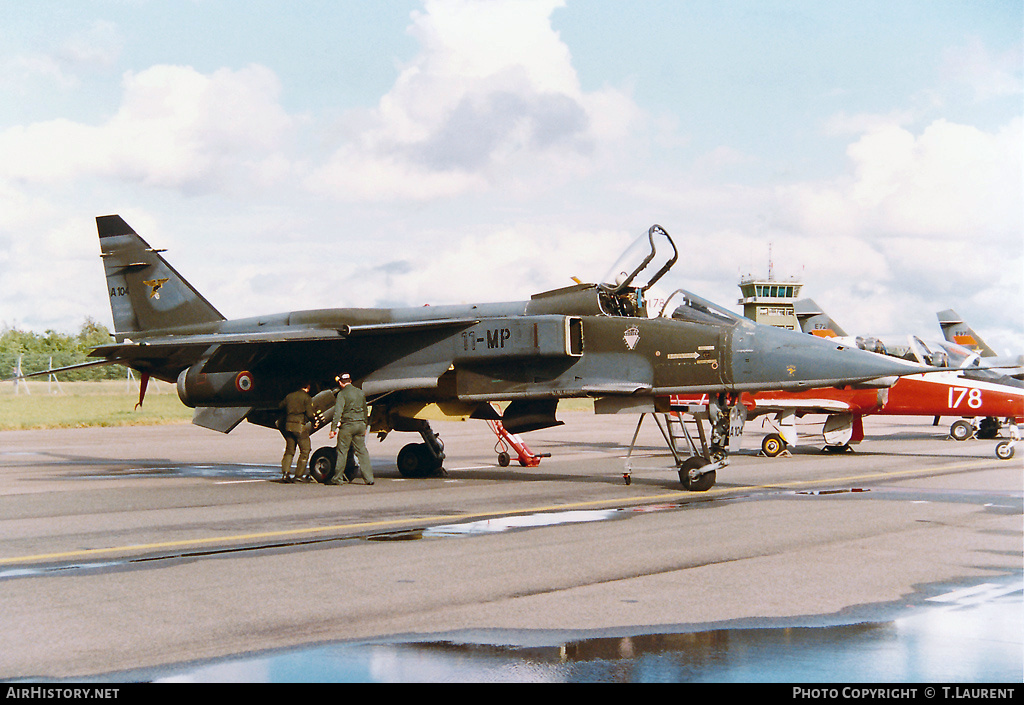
x: 349, y: 424
x: 298, y: 409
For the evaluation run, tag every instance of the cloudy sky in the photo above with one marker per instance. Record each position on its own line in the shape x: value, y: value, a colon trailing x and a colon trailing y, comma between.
x: 295, y: 155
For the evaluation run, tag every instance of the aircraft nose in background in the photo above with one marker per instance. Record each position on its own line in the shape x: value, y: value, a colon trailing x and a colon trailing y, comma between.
x: 764, y: 357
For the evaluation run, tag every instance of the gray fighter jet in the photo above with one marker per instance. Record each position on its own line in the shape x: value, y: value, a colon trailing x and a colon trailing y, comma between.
x: 593, y: 340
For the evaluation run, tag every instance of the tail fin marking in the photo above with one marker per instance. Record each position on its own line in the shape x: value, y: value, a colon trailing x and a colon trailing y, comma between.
x: 146, y: 293
x: 815, y: 321
x: 955, y: 330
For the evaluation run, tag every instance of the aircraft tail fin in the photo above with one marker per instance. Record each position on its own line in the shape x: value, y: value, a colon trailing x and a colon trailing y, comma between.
x: 815, y: 321
x: 146, y: 294
x: 956, y: 331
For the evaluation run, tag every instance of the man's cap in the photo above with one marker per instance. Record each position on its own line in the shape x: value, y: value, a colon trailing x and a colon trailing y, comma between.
x: 344, y: 378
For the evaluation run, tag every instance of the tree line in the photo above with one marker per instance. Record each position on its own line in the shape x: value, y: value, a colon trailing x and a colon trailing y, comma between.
x: 39, y: 352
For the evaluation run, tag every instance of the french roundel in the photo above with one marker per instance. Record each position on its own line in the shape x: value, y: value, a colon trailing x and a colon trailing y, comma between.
x: 243, y: 382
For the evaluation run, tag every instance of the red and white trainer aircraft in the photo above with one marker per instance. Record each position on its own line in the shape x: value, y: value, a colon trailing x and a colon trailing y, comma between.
x: 972, y: 391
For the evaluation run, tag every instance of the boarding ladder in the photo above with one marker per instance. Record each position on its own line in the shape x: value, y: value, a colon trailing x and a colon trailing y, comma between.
x: 676, y: 428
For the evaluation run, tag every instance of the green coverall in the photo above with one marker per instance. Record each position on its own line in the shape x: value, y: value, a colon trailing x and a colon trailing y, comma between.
x: 298, y: 409
x: 350, y: 418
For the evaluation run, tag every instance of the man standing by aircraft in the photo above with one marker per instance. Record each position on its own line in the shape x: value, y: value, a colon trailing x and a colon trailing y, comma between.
x: 349, y: 424
x: 298, y: 409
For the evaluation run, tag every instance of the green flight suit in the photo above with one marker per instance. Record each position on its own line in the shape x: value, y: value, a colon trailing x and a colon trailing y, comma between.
x: 350, y: 418
x: 298, y: 409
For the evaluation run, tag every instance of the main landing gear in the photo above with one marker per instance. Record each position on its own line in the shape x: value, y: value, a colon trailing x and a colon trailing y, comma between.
x: 415, y: 460
x: 772, y: 445
x: 839, y: 432
x: 988, y: 427
x: 965, y: 429
x: 419, y: 460
x: 324, y: 460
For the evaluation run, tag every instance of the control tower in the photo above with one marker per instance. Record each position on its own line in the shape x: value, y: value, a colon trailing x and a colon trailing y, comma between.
x: 769, y: 301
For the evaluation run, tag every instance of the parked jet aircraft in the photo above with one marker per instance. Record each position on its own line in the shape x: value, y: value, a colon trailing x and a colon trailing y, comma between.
x: 816, y: 322
x: 955, y: 330
x: 968, y: 391
x: 587, y: 340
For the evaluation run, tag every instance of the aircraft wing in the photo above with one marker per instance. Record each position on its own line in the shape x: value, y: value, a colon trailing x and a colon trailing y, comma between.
x: 385, y: 355
x: 280, y: 336
x: 66, y: 368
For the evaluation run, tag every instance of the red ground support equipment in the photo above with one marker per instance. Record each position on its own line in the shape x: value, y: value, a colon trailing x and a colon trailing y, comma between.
x: 506, y: 440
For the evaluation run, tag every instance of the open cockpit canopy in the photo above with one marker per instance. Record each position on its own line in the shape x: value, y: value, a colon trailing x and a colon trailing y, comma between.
x: 621, y: 291
x: 643, y: 263
x: 683, y: 305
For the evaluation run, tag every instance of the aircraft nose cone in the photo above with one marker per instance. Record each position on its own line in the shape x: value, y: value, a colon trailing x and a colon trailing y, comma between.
x: 765, y: 357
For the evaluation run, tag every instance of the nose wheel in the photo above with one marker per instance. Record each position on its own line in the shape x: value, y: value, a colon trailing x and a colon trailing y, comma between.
x: 1004, y: 449
x: 693, y: 477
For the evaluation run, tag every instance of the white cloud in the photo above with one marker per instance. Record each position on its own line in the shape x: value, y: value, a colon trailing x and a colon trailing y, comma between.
x: 845, y: 124
x: 920, y: 222
x: 98, y: 45
x: 501, y: 263
x: 492, y: 99
x: 22, y: 70
x: 95, y: 47
x: 950, y: 181
x: 176, y: 128
x: 988, y: 75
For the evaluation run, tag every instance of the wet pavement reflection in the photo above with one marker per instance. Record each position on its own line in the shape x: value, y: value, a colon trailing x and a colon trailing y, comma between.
x: 971, y: 634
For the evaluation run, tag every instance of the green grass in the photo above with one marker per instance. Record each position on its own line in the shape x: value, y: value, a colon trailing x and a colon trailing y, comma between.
x: 79, y: 404
x: 112, y: 403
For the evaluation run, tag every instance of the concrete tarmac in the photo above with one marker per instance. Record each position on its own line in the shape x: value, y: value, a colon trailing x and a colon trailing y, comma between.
x: 130, y: 548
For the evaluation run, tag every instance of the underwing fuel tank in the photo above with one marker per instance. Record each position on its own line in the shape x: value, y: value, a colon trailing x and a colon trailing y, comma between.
x: 235, y: 388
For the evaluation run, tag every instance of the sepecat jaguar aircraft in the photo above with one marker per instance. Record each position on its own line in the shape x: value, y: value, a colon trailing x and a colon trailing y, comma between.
x: 594, y: 340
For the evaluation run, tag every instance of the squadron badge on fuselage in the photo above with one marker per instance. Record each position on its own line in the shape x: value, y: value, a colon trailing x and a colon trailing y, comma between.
x: 632, y: 337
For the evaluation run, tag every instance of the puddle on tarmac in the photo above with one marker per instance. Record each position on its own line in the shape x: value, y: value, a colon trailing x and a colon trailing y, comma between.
x: 528, y: 521
x: 225, y: 470
x: 501, y: 524
x: 970, y: 635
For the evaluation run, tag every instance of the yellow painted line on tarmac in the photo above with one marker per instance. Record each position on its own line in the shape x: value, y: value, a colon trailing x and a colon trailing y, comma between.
x: 449, y: 519
x: 967, y: 465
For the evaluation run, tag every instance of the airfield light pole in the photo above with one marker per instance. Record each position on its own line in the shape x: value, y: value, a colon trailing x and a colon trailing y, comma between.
x: 52, y: 378
x: 18, y: 379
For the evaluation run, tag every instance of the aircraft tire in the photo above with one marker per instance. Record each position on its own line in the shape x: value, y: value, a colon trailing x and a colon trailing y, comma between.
x: 322, y: 463
x: 772, y: 445
x: 702, y: 484
x: 415, y: 461
x: 961, y: 430
x: 845, y: 448
x: 988, y: 428
x: 1004, y: 450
